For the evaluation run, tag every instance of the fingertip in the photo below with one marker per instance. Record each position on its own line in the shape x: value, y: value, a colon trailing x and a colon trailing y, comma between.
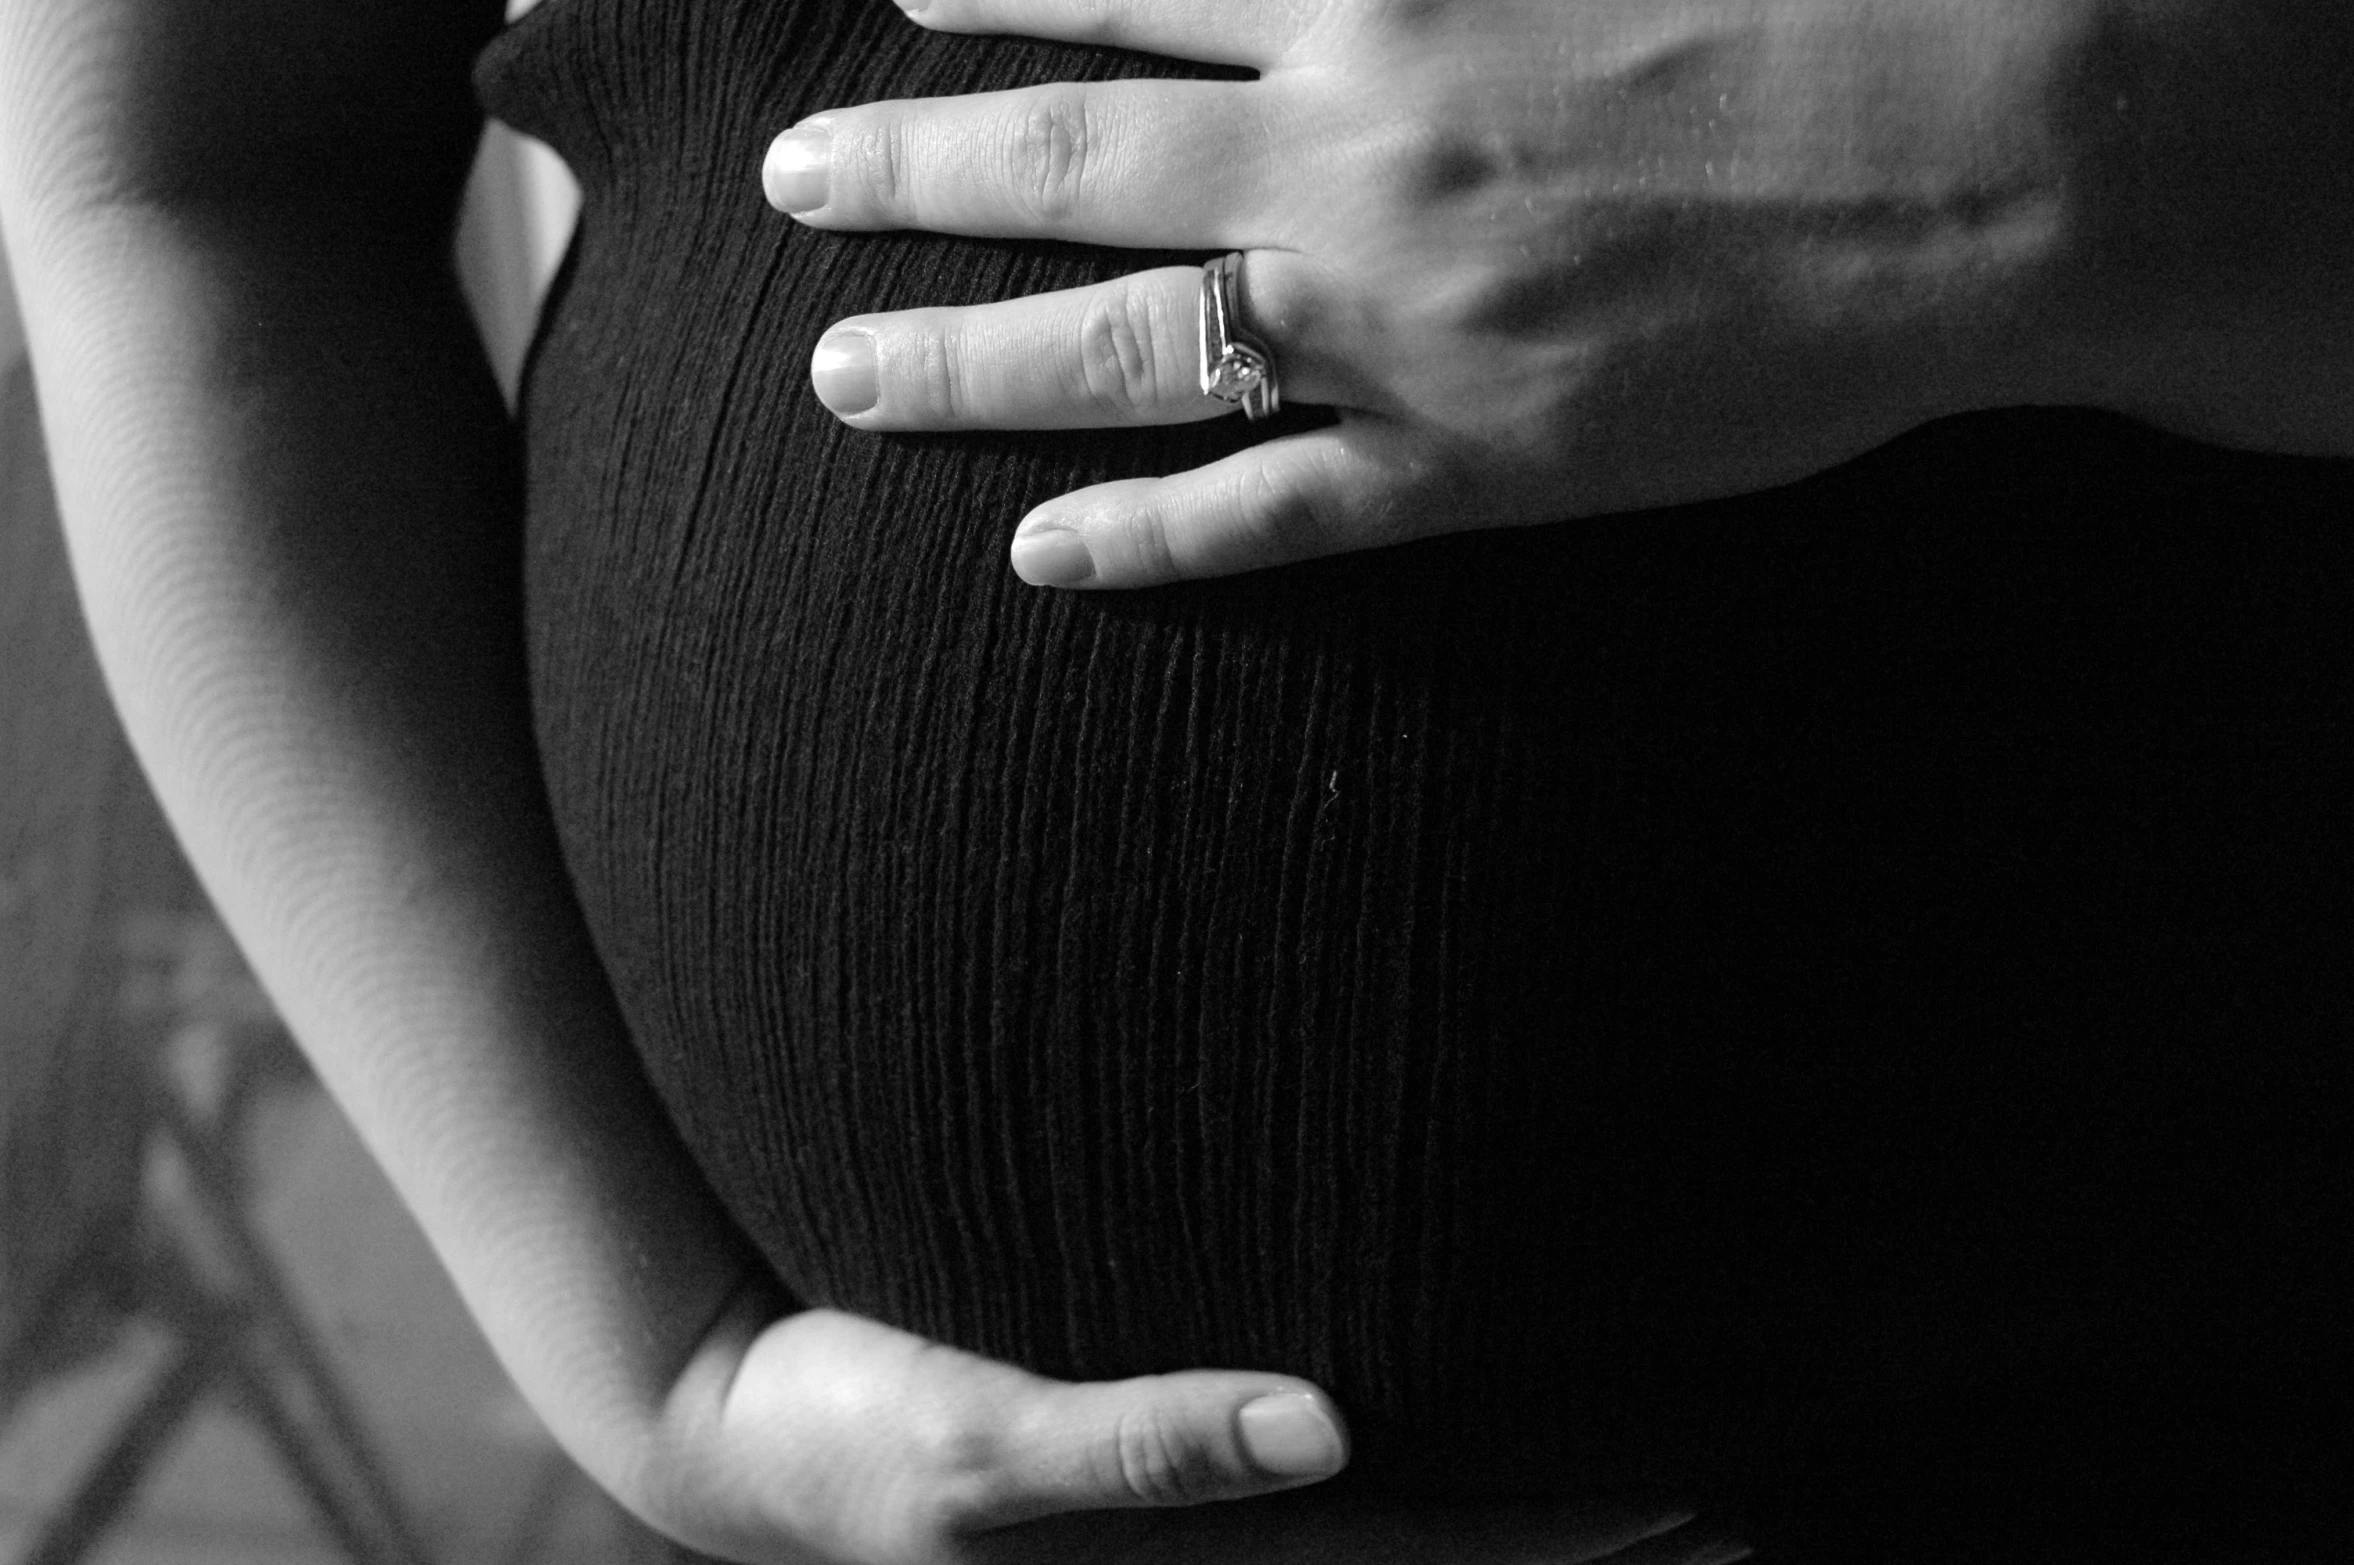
x: 934, y: 14
x: 1117, y: 526
x: 1048, y: 555
x: 1293, y: 1434
x: 842, y: 370
x: 794, y: 175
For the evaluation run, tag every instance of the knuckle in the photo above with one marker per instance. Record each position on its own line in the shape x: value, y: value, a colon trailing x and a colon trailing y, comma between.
x: 1120, y: 356
x: 873, y: 167
x: 1430, y: 162
x: 1157, y: 1464
x: 1283, y: 517
x: 1147, y: 533
x: 936, y: 375
x: 1051, y: 145
x: 964, y: 1474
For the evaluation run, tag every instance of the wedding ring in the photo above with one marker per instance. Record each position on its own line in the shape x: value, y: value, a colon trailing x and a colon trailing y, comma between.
x: 1236, y: 366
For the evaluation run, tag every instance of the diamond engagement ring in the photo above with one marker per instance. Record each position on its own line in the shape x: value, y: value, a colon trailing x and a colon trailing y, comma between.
x: 1236, y: 366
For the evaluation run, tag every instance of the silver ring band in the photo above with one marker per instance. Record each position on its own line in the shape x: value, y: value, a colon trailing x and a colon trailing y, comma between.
x: 1236, y: 366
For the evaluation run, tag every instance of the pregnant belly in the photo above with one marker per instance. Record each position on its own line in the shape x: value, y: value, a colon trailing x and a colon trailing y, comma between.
x: 1617, y: 997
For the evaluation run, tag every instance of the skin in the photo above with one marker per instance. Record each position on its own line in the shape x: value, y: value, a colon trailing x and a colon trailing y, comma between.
x: 292, y: 493
x: 1551, y: 260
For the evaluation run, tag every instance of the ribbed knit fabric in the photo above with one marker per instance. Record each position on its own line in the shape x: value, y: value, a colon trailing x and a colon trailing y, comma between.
x: 1833, y: 995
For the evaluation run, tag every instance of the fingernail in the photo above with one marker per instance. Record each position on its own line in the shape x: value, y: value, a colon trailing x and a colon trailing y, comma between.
x: 794, y: 173
x: 1058, y: 557
x: 1288, y: 1435
x: 843, y: 371
x: 913, y: 6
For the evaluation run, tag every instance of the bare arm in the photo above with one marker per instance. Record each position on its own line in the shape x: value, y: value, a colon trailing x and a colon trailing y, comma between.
x: 293, y: 503
x: 292, y: 499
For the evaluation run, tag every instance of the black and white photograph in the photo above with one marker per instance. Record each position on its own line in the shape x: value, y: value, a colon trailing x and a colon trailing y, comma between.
x: 1176, y: 782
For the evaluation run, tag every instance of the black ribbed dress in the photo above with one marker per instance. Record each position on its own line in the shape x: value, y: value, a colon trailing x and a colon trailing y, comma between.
x: 1837, y: 997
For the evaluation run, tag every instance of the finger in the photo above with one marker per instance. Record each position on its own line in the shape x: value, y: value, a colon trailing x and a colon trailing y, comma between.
x: 1159, y: 1441
x: 1122, y: 353
x: 1175, y: 164
x: 1361, y: 484
x: 1227, y: 32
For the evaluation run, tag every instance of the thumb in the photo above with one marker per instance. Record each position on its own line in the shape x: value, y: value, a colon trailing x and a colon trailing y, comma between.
x: 1163, y: 1440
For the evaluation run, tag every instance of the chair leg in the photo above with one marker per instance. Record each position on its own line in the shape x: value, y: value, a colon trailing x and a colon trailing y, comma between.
x: 21, y: 1359
x: 367, y: 1533
x: 109, y: 1487
x: 329, y: 1453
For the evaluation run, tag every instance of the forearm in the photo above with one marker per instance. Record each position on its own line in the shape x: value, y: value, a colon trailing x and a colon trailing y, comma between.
x: 291, y: 496
x: 2214, y: 151
x: 2146, y: 205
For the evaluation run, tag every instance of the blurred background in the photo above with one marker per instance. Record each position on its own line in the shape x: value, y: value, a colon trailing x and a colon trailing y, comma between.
x: 221, y: 1339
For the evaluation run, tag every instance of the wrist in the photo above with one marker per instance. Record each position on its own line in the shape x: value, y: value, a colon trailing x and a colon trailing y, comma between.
x: 2013, y: 331
x: 1945, y: 245
x: 668, y: 1461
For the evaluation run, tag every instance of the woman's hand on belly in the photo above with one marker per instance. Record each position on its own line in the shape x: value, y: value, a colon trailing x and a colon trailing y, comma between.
x: 1549, y: 258
x: 1543, y: 259
x: 824, y: 1436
